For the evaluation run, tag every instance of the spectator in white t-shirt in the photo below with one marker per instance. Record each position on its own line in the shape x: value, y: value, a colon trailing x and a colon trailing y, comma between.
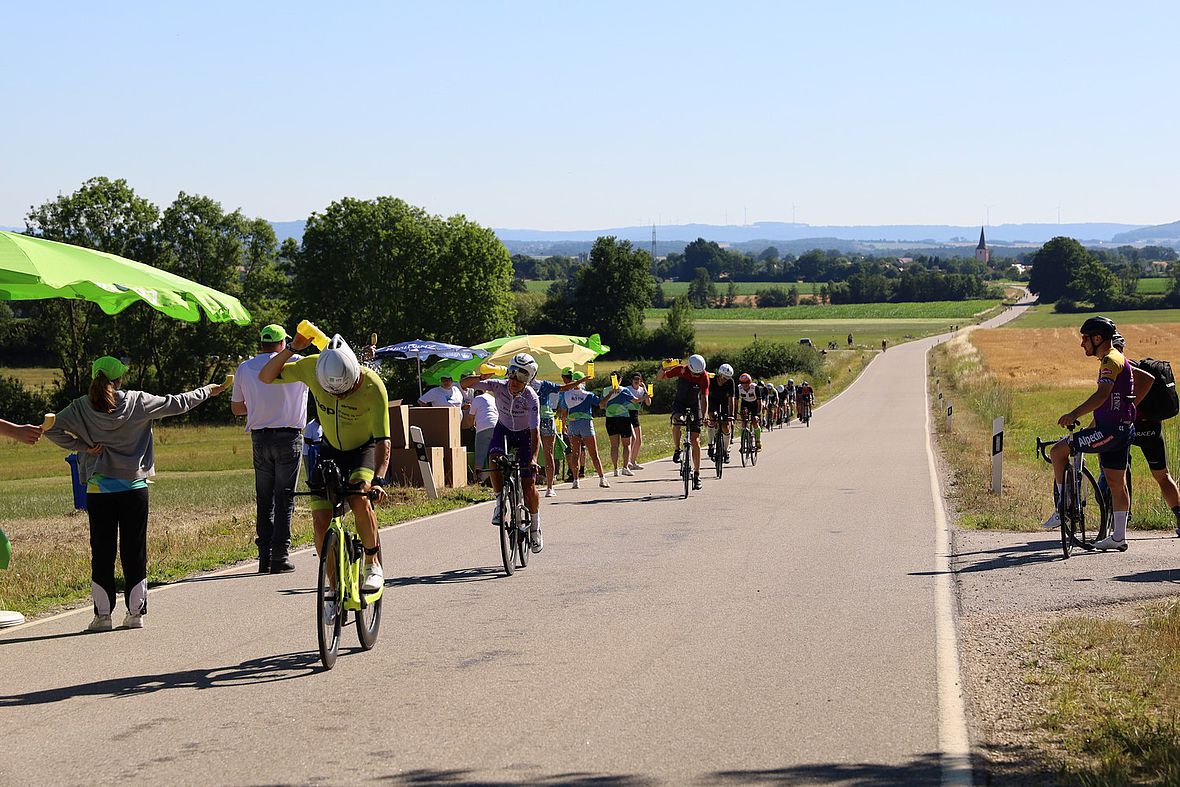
x: 483, y: 409
x: 447, y: 394
x: 275, y: 417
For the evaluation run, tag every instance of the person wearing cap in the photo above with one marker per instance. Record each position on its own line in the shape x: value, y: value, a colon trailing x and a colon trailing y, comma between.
x: 275, y: 418
x: 111, y: 429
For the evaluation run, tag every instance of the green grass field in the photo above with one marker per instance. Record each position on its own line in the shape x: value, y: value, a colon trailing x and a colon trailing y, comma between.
x: 674, y: 288
x: 1157, y: 285
x: 731, y: 334
x: 955, y: 310
x: 1043, y: 316
x: 33, y: 377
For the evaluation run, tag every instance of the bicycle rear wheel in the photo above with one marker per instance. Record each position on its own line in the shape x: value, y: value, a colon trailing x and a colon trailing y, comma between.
x: 1096, y: 504
x: 507, y: 535
x: 521, y: 526
x: 368, y: 618
x: 719, y: 452
x: 328, y: 621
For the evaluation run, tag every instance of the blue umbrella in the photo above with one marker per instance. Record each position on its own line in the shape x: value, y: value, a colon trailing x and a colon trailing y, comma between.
x: 419, y: 349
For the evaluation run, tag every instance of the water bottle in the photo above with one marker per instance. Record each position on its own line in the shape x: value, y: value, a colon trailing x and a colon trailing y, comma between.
x: 308, y: 329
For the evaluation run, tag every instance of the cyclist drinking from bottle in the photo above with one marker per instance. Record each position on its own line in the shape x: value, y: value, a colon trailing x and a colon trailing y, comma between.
x: 353, y: 409
x: 519, y: 427
x: 688, y: 408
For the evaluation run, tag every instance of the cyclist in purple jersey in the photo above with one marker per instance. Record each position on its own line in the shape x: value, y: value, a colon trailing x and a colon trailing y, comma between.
x: 519, y: 411
x: 1113, y: 406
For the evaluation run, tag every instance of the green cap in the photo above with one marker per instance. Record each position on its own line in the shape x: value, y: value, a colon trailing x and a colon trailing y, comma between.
x: 567, y: 371
x: 578, y: 375
x: 273, y: 333
x: 113, y: 368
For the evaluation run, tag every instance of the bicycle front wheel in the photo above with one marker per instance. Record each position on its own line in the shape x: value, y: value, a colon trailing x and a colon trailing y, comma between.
x: 686, y: 469
x: 1066, y: 511
x: 368, y: 618
x: 329, y: 612
x: 507, y: 536
x: 745, y: 449
x: 719, y: 452
x: 520, y: 525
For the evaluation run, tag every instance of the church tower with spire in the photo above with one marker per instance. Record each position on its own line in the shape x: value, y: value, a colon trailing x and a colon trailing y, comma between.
x: 982, y: 253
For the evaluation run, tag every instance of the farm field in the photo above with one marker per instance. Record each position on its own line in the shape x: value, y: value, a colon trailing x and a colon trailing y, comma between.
x: 956, y: 310
x: 674, y: 288
x: 731, y: 334
x: 1031, y: 377
x: 1043, y: 316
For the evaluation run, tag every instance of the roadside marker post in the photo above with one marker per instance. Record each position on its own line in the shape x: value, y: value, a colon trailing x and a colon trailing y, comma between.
x: 424, y: 462
x: 950, y: 413
x: 998, y: 455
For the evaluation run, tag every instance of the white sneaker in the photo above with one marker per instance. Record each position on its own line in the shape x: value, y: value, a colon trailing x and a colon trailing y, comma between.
x: 1110, y: 543
x: 575, y: 485
x: 374, y: 578
x: 131, y: 621
x: 602, y: 482
x: 535, y: 541
x: 1053, y: 522
x: 100, y: 623
x: 627, y: 471
x: 635, y: 466
x: 550, y: 492
x: 497, y: 515
x: 616, y: 472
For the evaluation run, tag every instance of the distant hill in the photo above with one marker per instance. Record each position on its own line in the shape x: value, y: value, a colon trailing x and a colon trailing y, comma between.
x: 1157, y: 232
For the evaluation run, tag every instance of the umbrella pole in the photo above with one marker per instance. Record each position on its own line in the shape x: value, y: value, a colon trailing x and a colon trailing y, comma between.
x: 419, y: 377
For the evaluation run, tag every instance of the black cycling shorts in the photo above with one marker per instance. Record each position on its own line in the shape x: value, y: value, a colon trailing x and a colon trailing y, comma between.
x: 356, y: 467
x: 1149, y: 436
x: 687, y: 416
x: 753, y: 408
x: 1112, y: 444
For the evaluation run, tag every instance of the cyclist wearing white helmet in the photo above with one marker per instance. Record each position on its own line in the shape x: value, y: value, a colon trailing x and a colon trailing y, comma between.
x: 751, y: 407
x: 353, y: 409
x: 789, y: 394
x: 688, y: 408
x: 722, y: 397
x: 519, y: 429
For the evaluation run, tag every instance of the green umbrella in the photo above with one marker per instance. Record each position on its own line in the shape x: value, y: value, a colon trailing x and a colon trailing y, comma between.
x: 553, y: 352
x: 35, y: 268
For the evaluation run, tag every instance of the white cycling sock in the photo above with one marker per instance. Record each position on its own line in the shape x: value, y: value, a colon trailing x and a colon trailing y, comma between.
x: 1057, y: 487
x: 1120, y: 525
x: 536, y: 522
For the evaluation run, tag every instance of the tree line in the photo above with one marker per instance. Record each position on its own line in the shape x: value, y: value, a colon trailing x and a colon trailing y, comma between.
x: 1075, y: 278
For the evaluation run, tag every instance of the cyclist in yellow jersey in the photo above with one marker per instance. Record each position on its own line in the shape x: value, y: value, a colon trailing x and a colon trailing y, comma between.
x: 353, y: 409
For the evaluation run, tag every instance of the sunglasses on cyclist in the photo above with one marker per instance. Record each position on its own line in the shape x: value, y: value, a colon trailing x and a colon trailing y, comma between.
x: 521, y: 375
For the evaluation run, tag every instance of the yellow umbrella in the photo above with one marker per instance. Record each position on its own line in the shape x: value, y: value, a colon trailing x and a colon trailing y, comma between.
x: 553, y: 352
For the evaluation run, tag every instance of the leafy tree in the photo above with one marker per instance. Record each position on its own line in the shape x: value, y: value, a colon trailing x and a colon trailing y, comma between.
x: 731, y: 295
x: 386, y: 266
x: 769, y: 297
x: 676, y: 336
x: 701, y: 291
x: 610, y: 293
x: 769, y: 254
x: 705, y: 254
x: 1091, y: 281
x: 1053, y: 267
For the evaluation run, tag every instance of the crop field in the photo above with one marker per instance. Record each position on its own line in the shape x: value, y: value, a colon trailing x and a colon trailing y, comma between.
x: 674, y: 288
x: 731, y: 334
x: 1031, y: 377
x: 1043, y: 316
x: 955, y: 310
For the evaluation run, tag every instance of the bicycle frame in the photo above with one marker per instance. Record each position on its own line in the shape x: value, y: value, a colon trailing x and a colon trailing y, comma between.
x: 348, y: 565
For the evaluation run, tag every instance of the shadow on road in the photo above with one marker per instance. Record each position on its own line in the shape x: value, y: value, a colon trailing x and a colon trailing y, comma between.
x: 466, y: 778
x: 597, y: 500
x: 269, y: 669
x: 64, y: 635
x: 1171, y: 575
x: 451, y: 577
x: 923, y: 769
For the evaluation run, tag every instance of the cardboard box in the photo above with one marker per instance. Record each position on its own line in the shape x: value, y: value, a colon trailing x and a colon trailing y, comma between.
x: 399, y: 426
x: 455, y: 463
x: 405, y: 471
x: 440, y: 425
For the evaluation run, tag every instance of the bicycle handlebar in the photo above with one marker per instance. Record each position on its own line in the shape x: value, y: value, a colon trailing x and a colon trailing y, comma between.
x: 1043, y: 444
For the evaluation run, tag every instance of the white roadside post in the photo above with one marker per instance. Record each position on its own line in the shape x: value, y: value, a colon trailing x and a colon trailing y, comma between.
x: 997, y: 455
x: 950, y: 412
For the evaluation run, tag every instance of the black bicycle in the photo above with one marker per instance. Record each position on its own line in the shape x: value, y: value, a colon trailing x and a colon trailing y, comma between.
x: 1078, y: 491
x: 515, y: 518
x: 805, y: 413
x: 720, y: 446
x: 749, y: 445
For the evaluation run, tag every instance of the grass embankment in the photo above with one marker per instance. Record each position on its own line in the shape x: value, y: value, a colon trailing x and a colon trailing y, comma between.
x: 1111, y: 687
x: 202, y: 514
x: 1030, y: 377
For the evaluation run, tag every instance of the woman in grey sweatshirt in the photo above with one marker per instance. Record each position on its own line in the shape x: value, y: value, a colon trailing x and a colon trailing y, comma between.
x: 111, y: 429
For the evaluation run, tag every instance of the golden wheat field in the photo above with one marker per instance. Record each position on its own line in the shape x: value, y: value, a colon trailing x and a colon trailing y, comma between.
x: 1030, y: 358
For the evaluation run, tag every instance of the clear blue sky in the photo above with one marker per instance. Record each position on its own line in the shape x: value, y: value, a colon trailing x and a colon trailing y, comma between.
x: 562, y: 115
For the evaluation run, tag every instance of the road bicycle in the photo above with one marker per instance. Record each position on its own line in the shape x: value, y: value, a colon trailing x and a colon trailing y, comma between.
x: 719, y: 447
x: 338, y: 585
x: 749, y: 446
x: 685, y: 452
x: 805, y: 414
x: 1079, y: 495
x: 515, y: 518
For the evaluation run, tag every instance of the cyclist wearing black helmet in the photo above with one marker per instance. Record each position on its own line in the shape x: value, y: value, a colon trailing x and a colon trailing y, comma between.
x: 1113, y: 406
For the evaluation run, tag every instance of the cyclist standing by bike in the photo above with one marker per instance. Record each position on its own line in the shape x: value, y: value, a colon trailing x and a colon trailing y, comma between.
x: 518, y: 426
x: 722, y: 395
x: 353, y: 408
x: 1113, y: 406
x: 688, y: 408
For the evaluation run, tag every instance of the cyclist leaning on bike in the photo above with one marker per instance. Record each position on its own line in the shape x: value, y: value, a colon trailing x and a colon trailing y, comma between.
x: 518, y: 427
x: 722, y: 395
x: 1110, y: 436
x: 353, y: 409
x: 688, y: 408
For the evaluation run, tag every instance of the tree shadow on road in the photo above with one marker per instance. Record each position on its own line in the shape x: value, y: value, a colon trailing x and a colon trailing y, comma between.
x: 1171, y: 575
x: 268, y: 669
x: 451, y: 577
x: 466, y: 778
x: 597, y: 500
x: 921, y: 770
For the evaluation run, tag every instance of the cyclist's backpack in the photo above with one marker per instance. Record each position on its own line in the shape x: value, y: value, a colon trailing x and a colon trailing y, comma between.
x: 1161, y: 402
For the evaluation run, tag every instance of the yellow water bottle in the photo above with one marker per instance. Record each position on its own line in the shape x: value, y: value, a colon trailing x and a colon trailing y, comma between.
x: 670, y: 363
x: 229, y: 382
x: 590, y: 368
x: 614, y: 382
x: 308, y: 330
x: 491, y: 368
x: 49, y: 420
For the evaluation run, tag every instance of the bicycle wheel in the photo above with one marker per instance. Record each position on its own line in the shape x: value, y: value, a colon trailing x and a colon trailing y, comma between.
x: 1065, y: 511
x: 686, y: 469
x: 1098, y: 506
x: 521, y: 523
x: 719, y: 452
x: 368, y: 618
x: 754, y: 454
x: 745, y: 447
x: 328, y: 626
x: 507, y: 535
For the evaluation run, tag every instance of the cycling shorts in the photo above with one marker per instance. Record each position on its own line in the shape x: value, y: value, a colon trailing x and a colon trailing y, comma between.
x: 687, y: 416
x: 720, y: 407
x: 505, y: 439
x: 619, y: 425
x: 357, y: 466
x: 751, y: 408
x: 1112, y: 444
x: 1149, y: 436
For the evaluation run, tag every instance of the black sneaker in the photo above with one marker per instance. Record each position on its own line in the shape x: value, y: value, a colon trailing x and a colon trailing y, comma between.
x: 696, y: 483
x: 264, y: 565
x: 284, y: 566
x: 676, y: 456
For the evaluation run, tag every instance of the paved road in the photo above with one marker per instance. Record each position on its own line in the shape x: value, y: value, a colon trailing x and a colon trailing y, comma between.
x: 778, y: 627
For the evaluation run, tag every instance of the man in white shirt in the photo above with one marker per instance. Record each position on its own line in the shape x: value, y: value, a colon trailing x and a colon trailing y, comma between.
x: 483, y: 409
x: 275, y: 417
x: 447, y: 394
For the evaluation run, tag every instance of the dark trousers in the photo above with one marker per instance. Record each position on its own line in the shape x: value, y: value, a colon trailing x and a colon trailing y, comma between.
x: 276, y: 470
x: 118, y: 521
